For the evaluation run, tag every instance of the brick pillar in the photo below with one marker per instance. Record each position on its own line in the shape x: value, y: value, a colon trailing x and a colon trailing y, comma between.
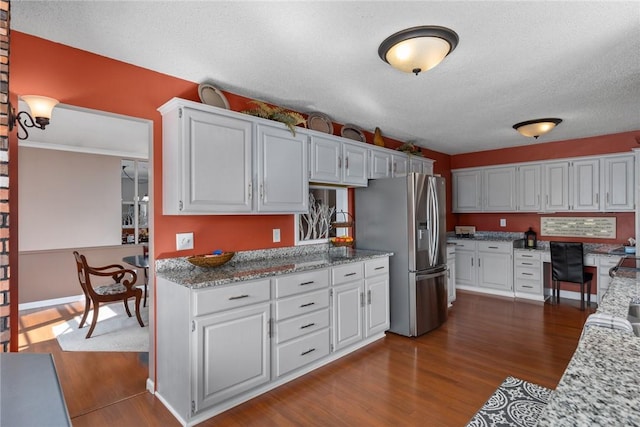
x: 5, y: 309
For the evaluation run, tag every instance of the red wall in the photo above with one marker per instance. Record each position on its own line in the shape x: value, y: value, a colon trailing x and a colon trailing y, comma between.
x: 79, y: 78
x: 605, y: 144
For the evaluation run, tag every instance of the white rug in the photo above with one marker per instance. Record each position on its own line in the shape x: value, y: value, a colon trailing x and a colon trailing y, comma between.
x: 114, y: 331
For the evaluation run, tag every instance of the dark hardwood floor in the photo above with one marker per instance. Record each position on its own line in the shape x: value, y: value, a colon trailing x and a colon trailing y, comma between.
x: 439, y: 379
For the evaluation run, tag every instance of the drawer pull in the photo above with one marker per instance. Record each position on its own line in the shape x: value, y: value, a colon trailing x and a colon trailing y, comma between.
x: 527, y: 263
x: 527, y: 274
x: 527, y: 286
x: 379, y: 268
x: 307, y: 352
x: 527, y: 256
x: 307, y: 304
x: 307, y: 326
x: 306, y: 283
x: 350, y: 274
x: 238, y: 297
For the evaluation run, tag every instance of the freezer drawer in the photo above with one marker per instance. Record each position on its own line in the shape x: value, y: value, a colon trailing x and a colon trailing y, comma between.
x: 431, y: 301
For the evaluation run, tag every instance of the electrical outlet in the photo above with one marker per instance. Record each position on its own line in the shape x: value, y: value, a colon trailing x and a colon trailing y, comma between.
x: 503, y: 222
x: 184, y: 241
x: 276, y: 235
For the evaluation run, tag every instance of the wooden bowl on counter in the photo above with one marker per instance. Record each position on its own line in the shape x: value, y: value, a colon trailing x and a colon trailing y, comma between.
x: 208, y: 260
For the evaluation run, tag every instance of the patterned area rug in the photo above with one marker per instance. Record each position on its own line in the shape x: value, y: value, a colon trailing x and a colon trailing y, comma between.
x: 515, y: 403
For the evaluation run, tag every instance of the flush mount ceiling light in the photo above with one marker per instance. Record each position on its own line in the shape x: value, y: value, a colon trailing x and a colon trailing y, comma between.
x: 418, y: 49
x: 41, y: 108
x: 535, y: 128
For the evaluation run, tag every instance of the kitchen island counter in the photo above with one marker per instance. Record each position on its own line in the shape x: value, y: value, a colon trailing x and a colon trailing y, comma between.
x: 600, y: 384
x: 252, y: 265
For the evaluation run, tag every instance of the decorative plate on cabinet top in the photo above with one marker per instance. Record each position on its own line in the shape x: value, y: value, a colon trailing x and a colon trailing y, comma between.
x: 353, y: 132
x: 320, y: 122
x: 210, y: 95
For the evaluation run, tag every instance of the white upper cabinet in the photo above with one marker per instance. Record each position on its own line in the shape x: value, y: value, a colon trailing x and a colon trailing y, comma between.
x: 282, y: 170
x: 354, y: 164
x: 499, y: 189
x: 529, y: 188
x: 556, y: 184
x: 420, y: 165
x: 467, y: 190
x: 581, y: 184
x: 334, y: 161
x: 618, y: 182
x: 400, y: 164
x: 207, y: 162
x: 217, y: 161
x: 325, y: 162
x: 379, y: 163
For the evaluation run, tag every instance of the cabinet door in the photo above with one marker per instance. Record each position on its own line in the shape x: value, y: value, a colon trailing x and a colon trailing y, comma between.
x: 216, y: 163
x: 466, y: 266
x: 466, y: 191
x: 232, y: 354
x: 325, y: 160
x: 529, y: 188
x: 355, y: 164
x: 416, y: 165
x: 400, y: 164
x: 379, y: 164
x: 556, y: 185
x: 618, y: 183
x: 499, y: 185
x: 347, y: 314
x: 283, y: 181
x: 495, y: 271
x: 377, y: 305
x: 451, y: 274
x: 427, y: 167
x: 586, y: 185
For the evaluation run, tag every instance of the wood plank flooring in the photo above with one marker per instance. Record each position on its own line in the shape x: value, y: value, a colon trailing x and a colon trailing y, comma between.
x: 439, y: 379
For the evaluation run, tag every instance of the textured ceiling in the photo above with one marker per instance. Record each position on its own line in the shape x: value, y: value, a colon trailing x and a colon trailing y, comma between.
x: 516, y: 61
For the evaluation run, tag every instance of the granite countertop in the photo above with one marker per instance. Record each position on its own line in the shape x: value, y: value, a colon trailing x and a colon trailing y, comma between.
x: 252, y: 265
x: 601, y: 383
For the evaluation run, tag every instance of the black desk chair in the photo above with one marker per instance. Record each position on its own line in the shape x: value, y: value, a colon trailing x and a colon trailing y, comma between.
x: 567, y: 265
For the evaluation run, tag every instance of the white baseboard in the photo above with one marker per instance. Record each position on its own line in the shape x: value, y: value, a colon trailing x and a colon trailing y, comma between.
x: 50, y: 302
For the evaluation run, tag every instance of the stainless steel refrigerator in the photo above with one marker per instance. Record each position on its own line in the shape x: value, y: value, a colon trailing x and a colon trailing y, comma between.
x: 406, y: 215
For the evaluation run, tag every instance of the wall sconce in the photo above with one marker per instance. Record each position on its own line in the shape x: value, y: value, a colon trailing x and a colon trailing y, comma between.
x: 418, y: 49
x: 41, y: 108
x: 538, y: 127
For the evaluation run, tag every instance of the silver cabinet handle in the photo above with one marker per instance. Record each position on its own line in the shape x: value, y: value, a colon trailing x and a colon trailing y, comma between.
x: 239, y: 297
x: 369, y: 297
x: 471, y: 262
x: 307, y: 326
x: 527, y: 274
x: 339, y: 162
x: 307, y: 352
x: 309, y: 304
x: 346, y: 162
x: 350, y: 274
x: 493, y: 247
x: 479, y: 262
x: 379, y: 268
x: 250, y: 190
x: 262, y: 191
x: 307, y: 283
x: 527, y: 263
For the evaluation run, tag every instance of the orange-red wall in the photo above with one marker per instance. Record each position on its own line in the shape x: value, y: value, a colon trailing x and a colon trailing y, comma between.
x: 79, y: 78
x: 606, y: 144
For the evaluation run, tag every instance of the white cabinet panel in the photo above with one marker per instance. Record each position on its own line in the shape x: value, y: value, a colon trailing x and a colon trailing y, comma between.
x: 467, y: 190
x: 585, y: 185
x: 379, y: 163
x: 556, y: 184
x: 499, y: 189
x: 529, y: 188
x: 325, y: 162
x: 377, y: 305
x: 400, y: 164
x: 347, y: 314
x: 354, y: 171
x: 618, y: 182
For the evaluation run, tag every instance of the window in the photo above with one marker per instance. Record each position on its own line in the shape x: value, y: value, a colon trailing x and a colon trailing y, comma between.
x: 326, y: 205
x: 135, y: 201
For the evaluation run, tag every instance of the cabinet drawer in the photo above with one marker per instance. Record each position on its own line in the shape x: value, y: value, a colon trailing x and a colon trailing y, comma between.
x: 301, y: 282
x: 376, y: 267
x: 526, y: 255
x: 451, y: 251
x: 227, y: 297
x: 527, y: 263
x: 346, y: 273
x: 607, y: 262
x: 302, y: 304
x: 299, y: 352
x: 527, y: 273
x: 528, y: 286
x: 301, y: 325
x: 468, y: 245
x: 502, y: 247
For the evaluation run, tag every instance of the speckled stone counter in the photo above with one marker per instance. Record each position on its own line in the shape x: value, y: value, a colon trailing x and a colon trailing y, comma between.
x: 601, y: 385
x: 252, y: 265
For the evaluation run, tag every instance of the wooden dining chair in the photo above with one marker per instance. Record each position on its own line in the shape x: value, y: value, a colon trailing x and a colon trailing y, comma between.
x: 122, y: 289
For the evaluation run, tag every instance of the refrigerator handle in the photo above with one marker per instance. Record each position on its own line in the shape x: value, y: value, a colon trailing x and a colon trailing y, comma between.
x: 434, y: 231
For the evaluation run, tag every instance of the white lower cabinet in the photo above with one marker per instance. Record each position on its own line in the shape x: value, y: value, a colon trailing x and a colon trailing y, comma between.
x: 451, y: 273
x: 485, y: 266
x: 220, y: 346
x: 605, y: 263
x: 528, y: 274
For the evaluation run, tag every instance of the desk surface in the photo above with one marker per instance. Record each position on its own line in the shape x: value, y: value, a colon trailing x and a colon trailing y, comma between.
x: 139, y: 261
x: 30, y: 393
